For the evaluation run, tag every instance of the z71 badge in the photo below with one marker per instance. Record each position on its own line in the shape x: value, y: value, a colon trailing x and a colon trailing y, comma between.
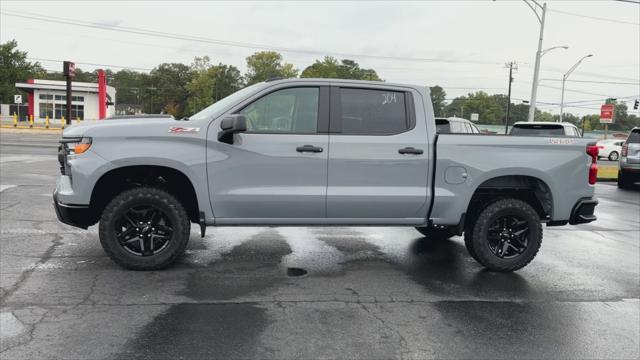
x: 180, y: 129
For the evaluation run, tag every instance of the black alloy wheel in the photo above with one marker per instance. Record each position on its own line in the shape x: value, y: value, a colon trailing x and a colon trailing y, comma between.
x: 507, y: 236
x: 144, y: 230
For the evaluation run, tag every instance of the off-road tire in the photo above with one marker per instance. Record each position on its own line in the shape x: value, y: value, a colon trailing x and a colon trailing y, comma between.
x: 468, y: 243
x: 479, y: 243
x: 432, y: 233
x: 165, y: 202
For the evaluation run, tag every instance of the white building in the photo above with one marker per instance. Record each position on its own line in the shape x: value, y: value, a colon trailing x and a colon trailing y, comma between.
x: 48, y: 98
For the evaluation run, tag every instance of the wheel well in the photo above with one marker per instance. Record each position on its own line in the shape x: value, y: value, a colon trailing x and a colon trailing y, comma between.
x: 118, y: 180
x: 531, y: 190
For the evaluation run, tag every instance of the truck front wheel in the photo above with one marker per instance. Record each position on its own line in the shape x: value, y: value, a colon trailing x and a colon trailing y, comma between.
x: 144, y: 229
x: 506, y: 235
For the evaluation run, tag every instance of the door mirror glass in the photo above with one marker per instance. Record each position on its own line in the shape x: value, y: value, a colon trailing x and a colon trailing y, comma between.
x: 231, y: 125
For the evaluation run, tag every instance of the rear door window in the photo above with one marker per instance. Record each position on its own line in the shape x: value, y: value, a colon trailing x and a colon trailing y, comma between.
x: 373, y: 112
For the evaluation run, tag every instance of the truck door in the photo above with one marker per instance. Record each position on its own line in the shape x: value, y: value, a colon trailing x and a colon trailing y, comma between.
x: 378, y: 156
x: 277, y: 169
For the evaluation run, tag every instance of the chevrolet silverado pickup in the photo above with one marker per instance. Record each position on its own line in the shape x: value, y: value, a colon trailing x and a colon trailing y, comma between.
x: 319, y: 152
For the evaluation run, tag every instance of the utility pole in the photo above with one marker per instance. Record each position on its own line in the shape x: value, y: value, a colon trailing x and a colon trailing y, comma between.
x: 536, y: 70
x: 512, y: 66
x: 69, y: 71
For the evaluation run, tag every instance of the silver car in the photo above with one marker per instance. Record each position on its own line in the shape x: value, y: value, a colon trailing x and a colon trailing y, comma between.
x: 629, y: 171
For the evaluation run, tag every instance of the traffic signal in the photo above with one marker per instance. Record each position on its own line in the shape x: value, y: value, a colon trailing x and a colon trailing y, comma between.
x: 636, y: 104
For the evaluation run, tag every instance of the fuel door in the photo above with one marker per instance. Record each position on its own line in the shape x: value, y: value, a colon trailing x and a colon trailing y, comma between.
x: 455, y: 175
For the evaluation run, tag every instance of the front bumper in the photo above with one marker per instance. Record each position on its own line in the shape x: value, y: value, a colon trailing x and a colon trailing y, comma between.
x: 583, y: 211
x: 74, y: 215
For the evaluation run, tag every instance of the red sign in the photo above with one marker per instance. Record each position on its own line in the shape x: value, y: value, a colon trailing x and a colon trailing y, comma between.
x: 606, y: 113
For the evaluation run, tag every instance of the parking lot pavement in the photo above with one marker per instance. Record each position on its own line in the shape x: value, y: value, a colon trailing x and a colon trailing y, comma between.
x: 367, y: 292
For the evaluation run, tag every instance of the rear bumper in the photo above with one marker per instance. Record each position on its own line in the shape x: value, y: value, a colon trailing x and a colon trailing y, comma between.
x: 74, y: 215
x: 583, y: 211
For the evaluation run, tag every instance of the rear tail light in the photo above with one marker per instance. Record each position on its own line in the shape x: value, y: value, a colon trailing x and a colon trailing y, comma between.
x: 625, y: 150
x: 592, y: 151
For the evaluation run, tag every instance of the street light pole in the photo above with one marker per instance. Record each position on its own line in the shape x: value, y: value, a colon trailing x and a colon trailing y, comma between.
x: 536, y: 70
x: 512, y: 65
x: 564, y: 79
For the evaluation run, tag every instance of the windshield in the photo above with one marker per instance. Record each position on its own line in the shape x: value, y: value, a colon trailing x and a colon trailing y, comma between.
x: 634, y: 137
x: 216, y: 109
x: 537, y: 130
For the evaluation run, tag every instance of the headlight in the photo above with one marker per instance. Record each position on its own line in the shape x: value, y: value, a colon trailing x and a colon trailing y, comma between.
x: 76, y: 146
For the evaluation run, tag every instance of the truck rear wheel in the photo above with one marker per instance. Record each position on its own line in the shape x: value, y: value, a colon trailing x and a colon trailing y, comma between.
x: 433, y: 233
x: 506, y: 235
x: 144, y: 229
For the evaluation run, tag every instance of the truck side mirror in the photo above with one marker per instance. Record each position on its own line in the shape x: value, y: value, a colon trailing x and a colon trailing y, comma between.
x: 231, y: 125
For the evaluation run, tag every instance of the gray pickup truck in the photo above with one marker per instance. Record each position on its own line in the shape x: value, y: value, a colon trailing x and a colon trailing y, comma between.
x: 314, y: 152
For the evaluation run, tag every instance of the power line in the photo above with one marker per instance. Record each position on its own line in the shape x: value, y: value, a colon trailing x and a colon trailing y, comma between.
x: 595, y: 17
x: 92, y: 64
x: 165, y: 35
x: 597, y: 82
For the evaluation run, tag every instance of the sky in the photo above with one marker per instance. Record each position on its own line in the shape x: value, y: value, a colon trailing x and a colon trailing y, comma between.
x: 462, y: 46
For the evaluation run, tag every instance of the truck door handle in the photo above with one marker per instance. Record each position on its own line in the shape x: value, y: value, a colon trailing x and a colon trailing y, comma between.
x: 410, y: 150
x: 309, y: 148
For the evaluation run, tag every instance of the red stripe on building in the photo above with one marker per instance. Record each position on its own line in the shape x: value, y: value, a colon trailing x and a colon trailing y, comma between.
x: 102, y: 95
x: 30, y: 98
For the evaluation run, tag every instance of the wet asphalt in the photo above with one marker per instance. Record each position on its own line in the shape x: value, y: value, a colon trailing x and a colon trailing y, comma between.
x: 292, y: 293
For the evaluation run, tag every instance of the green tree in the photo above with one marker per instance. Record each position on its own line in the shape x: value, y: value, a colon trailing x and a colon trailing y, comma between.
x: 438, y: 96
x: 519, y: 112
x: 14, y: 68
x: 211, y: 83
x: 130, y: 90
x: 330, y: 68
x: 486, y: 106
x: 170, y: 80
x: 264, y: 65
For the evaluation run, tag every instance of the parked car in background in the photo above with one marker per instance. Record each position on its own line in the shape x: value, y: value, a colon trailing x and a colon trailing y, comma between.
x: 610, y: 149
x: 542, y: 128
x: 630, y: 160
x: 455, y: 125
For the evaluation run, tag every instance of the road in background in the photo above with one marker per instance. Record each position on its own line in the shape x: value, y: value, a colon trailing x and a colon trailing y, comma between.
x: 365, y: 292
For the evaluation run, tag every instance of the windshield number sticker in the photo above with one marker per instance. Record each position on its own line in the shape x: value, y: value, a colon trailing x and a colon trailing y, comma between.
x: 389, y: 98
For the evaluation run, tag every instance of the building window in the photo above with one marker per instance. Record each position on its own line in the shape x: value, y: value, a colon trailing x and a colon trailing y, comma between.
x: 77, y: 111
x: 64, y: 98
x: 60, y: 110
x: 46, y: 97
x: 46, y: 109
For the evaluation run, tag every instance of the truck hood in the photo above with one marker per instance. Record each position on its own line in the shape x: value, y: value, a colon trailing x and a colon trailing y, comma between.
x: 124, y: 127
